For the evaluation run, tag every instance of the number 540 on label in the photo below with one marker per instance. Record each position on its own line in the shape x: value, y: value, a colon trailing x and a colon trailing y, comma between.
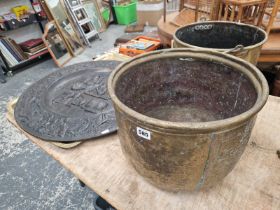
x: 144, y: 133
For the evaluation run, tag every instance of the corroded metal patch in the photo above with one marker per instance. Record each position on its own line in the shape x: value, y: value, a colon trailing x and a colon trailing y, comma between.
x: 71, y: 104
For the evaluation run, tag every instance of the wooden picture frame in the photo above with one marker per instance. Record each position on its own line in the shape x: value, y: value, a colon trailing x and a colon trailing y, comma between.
x: 46, y: 9
x: 94, y: 13
x: 56, y: 45
x: 65, y: 26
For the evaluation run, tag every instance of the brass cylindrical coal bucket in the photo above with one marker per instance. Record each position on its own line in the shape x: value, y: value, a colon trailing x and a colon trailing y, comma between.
x: 242, y: 40
x: 186, y: 115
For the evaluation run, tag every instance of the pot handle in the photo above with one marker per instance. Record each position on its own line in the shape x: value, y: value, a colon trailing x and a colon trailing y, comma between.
x: 236, y: 49
x: 172, y: 43
x: 202, y: 19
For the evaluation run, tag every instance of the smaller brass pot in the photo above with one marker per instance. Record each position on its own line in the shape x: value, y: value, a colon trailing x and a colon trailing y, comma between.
x: 241, y: 40
x: 185, y: 115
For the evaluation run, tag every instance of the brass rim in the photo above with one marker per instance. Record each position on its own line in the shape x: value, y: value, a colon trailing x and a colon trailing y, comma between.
x: 221, y: 22
x: 254, y: 75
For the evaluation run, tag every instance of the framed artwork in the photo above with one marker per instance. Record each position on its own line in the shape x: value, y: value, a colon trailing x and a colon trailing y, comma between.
x: 64, y: 26
x: 56, y: 45
x: 93, y: 12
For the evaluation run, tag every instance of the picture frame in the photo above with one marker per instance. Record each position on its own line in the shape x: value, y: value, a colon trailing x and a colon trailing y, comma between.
x: 93, y: 11
x: 56, y: 45
x: 63, y: 22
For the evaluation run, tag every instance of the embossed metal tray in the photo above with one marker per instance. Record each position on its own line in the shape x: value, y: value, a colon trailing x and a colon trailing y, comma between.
x: 71, y: 104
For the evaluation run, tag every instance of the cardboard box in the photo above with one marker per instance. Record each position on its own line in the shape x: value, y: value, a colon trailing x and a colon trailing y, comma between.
x: 149, y: 12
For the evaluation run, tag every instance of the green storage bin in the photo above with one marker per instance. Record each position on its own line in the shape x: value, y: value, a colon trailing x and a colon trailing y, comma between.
x: 126, y: 14
x: 106, y: 14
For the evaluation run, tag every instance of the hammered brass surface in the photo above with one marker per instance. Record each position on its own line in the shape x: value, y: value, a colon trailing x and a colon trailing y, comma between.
x: 182, y: 162
x: 186, y: 153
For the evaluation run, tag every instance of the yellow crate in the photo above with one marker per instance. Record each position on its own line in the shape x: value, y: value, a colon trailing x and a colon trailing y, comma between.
x: 20, y: 10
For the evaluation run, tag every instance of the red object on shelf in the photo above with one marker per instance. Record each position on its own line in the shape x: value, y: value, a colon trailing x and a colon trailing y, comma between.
x: 38, y: 9
x: 31, y: 43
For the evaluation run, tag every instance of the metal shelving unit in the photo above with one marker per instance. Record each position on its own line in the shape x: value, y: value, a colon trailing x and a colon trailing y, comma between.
x: 10, y: 69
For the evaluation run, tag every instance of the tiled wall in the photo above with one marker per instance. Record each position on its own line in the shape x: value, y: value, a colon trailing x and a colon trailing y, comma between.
x: 24, y: 33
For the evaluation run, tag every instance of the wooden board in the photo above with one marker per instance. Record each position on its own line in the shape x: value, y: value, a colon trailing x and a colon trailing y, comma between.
x: 167, y: 29
x: 253, y: 184
x: 183, y: 18
x: 134, y: 28
x: 271, y: 49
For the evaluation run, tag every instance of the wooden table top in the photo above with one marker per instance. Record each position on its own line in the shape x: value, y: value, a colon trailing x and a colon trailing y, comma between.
x: 253, y: 184
x: 271, y: 49
x: 244, y: 2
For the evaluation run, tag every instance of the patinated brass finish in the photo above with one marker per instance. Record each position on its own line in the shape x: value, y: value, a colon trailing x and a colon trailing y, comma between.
x: 186, y: 115
x: 71, y: 104
x: 241, y: 40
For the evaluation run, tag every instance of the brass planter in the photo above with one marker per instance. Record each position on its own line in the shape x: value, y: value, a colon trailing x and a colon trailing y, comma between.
x: 239, y: 39
x: 185, y: 115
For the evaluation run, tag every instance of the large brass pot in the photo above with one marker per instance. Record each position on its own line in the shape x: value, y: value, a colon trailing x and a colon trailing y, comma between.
x: 185, y: 115
x: 239, y: 39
